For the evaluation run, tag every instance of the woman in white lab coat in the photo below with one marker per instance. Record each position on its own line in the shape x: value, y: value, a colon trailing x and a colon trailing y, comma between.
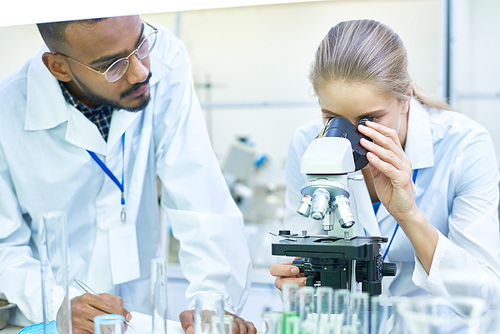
x: 433, y: 170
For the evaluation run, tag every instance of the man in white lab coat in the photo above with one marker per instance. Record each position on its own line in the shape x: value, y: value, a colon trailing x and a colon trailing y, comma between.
x: 117, y: 91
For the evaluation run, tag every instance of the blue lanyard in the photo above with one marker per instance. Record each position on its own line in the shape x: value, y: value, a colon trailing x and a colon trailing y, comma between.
x: 121, y: 186
x: 415, y: 172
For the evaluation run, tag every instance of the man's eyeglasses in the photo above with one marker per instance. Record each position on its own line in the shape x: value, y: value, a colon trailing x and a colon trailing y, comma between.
x: 116, y: 70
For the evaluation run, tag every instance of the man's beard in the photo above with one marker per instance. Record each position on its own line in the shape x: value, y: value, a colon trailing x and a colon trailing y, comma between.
x: 89, y: 95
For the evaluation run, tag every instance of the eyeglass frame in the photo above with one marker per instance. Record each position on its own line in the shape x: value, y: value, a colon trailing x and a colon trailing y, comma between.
x: 118, y: 60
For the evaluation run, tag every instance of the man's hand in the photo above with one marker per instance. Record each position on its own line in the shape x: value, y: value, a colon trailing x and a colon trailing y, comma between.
x: 87, y: 306
x: 240, y: 326
x: 286, y: 272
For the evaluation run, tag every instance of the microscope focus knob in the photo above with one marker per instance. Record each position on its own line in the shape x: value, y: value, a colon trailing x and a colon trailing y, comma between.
x: 389, y: 269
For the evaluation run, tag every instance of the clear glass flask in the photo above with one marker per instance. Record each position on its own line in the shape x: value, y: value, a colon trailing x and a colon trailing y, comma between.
x: 53, y: 255
x: 207, y: 305
x: 109, y: 324
x: 159, y: 295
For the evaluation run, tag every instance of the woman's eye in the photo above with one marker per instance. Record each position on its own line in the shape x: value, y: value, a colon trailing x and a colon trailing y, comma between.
x: 366, y: 118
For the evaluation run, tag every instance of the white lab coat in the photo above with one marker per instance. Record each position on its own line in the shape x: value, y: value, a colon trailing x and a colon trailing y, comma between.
x: 44, y: 167
x: 456, y: 189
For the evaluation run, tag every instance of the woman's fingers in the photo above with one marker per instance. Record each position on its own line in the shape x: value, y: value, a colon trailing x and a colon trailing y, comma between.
x: 383, y: 136
x: 385, y: 146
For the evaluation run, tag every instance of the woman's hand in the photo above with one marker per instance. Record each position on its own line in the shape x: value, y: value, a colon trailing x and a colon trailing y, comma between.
x: 391, y: 171
x: 286, y: 272
x: 392, y: 177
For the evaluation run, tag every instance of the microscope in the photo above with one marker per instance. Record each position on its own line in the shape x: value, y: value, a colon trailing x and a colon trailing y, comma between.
x: 337, y: 258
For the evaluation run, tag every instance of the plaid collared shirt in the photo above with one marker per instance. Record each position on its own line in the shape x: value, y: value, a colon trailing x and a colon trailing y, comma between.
x: 99, y: 115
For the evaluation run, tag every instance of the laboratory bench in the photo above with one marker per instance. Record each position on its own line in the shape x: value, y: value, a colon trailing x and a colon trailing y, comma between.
x: 263, y: 294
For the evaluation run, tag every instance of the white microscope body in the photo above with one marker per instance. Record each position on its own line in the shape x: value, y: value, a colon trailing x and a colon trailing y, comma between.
x: 326, y: 163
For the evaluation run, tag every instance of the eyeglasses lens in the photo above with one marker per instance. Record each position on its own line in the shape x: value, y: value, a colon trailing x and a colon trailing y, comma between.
x: 118, y: 69
x: 146, y: 46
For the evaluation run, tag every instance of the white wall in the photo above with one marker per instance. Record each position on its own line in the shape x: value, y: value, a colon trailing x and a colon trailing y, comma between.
x: 476, y: 64
x: 263, y: 54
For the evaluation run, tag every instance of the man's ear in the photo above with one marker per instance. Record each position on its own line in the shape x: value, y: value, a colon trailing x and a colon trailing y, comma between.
x: 57, y: 65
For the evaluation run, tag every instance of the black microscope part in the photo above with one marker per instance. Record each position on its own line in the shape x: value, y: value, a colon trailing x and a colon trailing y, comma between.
x: 341, y: 127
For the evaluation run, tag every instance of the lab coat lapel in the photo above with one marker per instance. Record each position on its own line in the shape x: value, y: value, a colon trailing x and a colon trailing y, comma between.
x: 120, y: 122
x: 44, y: 101
x: 46, y: 108
x: 83, y: 133
x: 419, y: 145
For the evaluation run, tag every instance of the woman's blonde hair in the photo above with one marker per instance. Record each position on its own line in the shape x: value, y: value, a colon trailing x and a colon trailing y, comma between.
x: 366, y: 51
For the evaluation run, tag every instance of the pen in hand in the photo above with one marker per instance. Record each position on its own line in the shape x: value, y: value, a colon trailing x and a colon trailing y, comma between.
x: 87, y: 289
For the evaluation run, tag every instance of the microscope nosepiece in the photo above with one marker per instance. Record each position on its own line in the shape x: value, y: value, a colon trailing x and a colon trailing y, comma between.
x: 305, y: 206
x: 320, y: 200
x: 342, y: 209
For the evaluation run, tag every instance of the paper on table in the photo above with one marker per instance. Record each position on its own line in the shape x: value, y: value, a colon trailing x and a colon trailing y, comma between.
x: 142, y: 323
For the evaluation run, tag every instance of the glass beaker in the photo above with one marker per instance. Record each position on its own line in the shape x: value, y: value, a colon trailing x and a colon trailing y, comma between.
x: 207, y: 305
x: 433, y: 315
x: 272, y: 322
x: 53, y: 255
x: 159, y: 295
x: 224, y: 327
x: 109, y: 324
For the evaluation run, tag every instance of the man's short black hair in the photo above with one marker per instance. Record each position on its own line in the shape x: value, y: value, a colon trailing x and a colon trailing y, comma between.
x: 53, y: 33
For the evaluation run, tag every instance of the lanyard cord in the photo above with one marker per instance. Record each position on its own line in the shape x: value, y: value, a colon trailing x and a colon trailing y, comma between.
x: 121, y: 186
x: 415, y: 172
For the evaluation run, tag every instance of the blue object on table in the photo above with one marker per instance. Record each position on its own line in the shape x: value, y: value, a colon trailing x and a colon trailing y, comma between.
x: 38, y: 328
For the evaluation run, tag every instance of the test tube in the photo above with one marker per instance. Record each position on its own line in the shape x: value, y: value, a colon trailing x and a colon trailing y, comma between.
x: 307, y: 310
x: 290, y: 308
x: 359, y: 312
x: 324, y: 306
x: 341, y: 304
x: 53, y: 254
x: 159, y: 295
x: 383, y: 315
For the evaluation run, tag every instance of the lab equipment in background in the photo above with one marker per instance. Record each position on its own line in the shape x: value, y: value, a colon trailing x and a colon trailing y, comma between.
x: 237, y: 171
x: 53, y: 254
x: 265, y: 213
x: 339, y: 258
x: 207, y: 306
x: 109, y: 324
x: 159, y: 295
